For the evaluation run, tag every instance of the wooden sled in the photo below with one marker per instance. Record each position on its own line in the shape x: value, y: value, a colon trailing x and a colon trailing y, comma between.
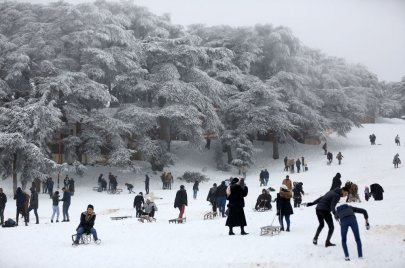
x: 210, y: 215
x: 178, y: 220
x: 146, y: 218
x: 270, y: 230
x: 116, y: 191
x: 116, y: 218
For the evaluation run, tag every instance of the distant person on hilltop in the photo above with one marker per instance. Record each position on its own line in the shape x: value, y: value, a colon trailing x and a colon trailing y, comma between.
x: 397, y: 141
x: 372, y: 139
x: 339, y: 157
x: 329, y: 156
x: 325, y: 148
x: 396, y: 161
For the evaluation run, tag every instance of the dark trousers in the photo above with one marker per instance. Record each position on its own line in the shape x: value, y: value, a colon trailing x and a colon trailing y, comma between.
x: 297, y: 201
x: 324, y: 215
x: 22, y: 211
x: 351, y: 222
x: 35, y: 213
x: 138, y: 209
x: 65, y: 211
x: 147, y: 188
x: 2, y: 215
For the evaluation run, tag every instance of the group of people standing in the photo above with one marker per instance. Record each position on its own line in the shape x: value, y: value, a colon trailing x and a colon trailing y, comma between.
x: 290, y: 163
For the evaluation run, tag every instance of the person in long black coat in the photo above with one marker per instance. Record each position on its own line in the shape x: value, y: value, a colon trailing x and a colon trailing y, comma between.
x: 284, y: 208
x: 376, y: 191
x: 336, y: 182
x: 236, y: 216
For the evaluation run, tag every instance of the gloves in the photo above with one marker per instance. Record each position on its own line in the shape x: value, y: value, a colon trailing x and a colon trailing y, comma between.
x: 309, y: 204
x: 368, y: 226
x: 336, y: 217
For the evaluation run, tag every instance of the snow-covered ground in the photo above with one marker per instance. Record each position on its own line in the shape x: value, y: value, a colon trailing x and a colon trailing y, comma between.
x: 206, y: 243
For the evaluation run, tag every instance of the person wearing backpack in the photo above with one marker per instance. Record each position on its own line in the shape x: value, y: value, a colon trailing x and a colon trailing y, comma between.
x: 345, y: 214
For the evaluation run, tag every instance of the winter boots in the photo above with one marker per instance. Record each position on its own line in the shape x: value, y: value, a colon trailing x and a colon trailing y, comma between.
x: 329, y: 244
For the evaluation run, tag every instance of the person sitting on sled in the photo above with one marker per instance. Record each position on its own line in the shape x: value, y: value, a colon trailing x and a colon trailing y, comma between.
x: 87, y: 219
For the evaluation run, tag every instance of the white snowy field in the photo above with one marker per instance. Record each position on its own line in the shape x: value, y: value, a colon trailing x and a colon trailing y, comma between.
x: 206, y: 243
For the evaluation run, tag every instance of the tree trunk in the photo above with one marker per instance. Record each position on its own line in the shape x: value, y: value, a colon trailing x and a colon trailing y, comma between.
x: 228, y: 150
x: 164, y: 130
x: 78, y: 151
x: 275, y: 147
x: 15, y: 172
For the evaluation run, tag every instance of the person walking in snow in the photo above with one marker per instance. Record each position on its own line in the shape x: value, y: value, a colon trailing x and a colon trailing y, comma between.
x: 261, y: 178
x: 298, y: 164
x: 3, y: 201
x: 325, y: 148
x: 212, y: 197
x: 339, y: 157
x: 138, y: 202
x: 66, y: 181
x: 236, y: 217
x: 71, y: 187
x: 266, y: 177
x: 180, y: 200
x: 195, y: 189
x: 285, y: 163
x: 346, y: 215
x: 33, y: 205
x: 336, y: 182
x: 221, y: 197
x: 329, y: 156
x: 66, y: 198
x: 325, y: 205
x: 86, y: 225
x: 50, y: 186
x: 20, y: 200
x: 284, y: 208
x: 397, y: 141
x: 396, y: 161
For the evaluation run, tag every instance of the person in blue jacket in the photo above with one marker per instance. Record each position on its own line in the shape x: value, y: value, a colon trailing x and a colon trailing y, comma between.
x: 66, y: 204
x: 345, y: 214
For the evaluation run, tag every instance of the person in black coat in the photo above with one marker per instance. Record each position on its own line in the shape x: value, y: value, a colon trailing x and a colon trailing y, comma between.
x: 236, y: 216
x: 212, y: 197
x: 297, y: 193
x: 376, y: 191
x: 138, y: 202
x: 195, y: 189
x: 263, y: 201
x: 325, y: 205
x: 3, y: 201
x: 284, y: 208
x: 33, y: 205
x: 71, y: 187
x: 181, y: 200
x: 336, y: 182
x: 86, y: 225
x: 20, y: 201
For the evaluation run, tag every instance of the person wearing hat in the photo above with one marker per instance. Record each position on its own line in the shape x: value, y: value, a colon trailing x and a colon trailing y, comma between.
x: 33, y: 205
x: 236, y: 217
x: 138, y: 202
x: 86, y: 225
x: 150, y: 208
x: 180, y: 201
x: 325, y: 205
x: 66, y: 204
x: 284, y: 208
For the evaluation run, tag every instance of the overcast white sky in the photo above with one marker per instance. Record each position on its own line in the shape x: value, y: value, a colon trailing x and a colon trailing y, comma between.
x: 370, y: 32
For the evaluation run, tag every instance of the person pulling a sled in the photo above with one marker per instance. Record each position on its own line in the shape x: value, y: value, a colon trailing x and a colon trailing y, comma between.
x: 87, y: 219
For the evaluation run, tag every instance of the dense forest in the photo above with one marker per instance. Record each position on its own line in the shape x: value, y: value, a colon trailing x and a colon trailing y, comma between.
x: 131, y: 82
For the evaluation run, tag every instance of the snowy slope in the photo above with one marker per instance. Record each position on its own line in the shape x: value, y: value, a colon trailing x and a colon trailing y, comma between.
x: 205, y: 243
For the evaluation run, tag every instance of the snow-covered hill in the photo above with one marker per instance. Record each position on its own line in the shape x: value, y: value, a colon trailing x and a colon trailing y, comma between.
x: 206, y: 243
